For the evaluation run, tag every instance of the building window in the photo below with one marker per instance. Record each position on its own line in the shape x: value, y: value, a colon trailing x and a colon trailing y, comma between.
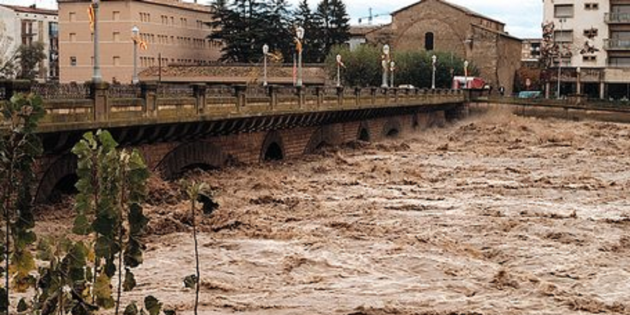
x: 428, y: 41
x: 589, y: 58
x: 116, y: 36
x: 73, y: 61
x: 619, y: 62
x: 72, y: 16
x: 591, y: 6
x: 563, y: 10
x: 563, y: 36
x: 590, y: 33
x: 73, y: 37
x: 116, y: 61
x: 116, y: 15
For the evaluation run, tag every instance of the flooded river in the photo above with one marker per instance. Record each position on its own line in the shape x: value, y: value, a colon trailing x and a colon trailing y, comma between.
x: 491, y: 215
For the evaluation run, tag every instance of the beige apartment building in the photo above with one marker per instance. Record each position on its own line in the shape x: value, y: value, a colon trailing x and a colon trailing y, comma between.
x: 174, y: 31
x: 595, y: 40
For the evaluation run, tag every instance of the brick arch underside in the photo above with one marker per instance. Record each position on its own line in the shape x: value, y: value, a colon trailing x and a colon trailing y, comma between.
x: 364, y: 129
x: 57, y: 171
x: 446, y: 38
x: 190, y: 154
x: 324, y: 135
x: 272, y: 137
x: 392, y: 127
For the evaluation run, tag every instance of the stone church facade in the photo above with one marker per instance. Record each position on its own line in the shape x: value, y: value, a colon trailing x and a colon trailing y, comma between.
x: 441, y: 26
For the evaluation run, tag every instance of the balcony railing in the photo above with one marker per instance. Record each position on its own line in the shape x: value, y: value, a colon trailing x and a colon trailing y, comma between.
x: 616, y: 44
x: 617, y: 18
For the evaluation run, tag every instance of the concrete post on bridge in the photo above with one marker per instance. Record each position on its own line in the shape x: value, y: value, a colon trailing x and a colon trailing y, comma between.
x: 299, y: 92
x: 319, y: 93
x: 373, y: 91
x: 240, y: 91
x: 99, y: 93
x: 272, y: 91
x: 357, y: 96
x: 148, y: 92
x: 340, y: 96
x: 199, y: 91
x: 12, y: 87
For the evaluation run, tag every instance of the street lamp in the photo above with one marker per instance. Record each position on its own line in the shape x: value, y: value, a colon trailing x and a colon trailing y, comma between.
x: 434, y: 60
x: 384, y: 64
x: 265, y: 50
x: 96, y: 77
x: 392, y: 66
x: 299, y: 32
x: 135, y: 31
x: 338, y: 70
x: 465, y: 74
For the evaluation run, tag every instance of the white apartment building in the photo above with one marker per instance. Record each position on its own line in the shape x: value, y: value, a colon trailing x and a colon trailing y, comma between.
x: 25, y: 25
x: 603, y: 26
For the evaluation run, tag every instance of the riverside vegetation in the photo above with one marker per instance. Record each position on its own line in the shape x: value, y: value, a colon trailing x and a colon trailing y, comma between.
x: 72, y: 274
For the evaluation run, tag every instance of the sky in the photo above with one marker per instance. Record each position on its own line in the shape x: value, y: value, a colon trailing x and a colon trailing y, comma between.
x: 522, y: 18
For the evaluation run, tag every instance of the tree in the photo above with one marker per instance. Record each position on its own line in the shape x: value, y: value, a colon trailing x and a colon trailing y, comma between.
x: 313, y: 41
x: 332, y: 18
x: 19, y: 146
x: 278, y: 30
x: 363, y: 67
x: 28, y: 57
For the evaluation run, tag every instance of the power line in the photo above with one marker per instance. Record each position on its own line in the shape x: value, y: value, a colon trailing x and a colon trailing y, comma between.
x: 372, y: 16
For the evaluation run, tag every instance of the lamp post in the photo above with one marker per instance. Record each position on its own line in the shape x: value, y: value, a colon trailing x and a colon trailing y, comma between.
x: 96, y: 77
x: 299, y: 32
x: 338, y: 70
x: 265, y: 50
x: 465, y: 74
x: 384, y: 64
x: 392, y: 66
x: 560, y: 60
x: 434, y: 60
x: 135, y: 31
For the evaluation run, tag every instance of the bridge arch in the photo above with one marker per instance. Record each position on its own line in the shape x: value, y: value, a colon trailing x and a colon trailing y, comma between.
x: 60, y: 176
x: 364, y: 133
x: 185, y: 156
x: 273, y: 147
x: 391, y: 128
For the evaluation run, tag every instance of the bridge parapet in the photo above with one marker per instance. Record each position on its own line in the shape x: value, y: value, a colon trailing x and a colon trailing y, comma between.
x: 91, y: 106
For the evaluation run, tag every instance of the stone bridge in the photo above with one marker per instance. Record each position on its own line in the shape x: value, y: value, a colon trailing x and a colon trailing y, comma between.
x: 187, y: 126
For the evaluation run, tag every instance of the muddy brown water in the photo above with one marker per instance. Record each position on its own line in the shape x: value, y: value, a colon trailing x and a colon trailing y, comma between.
x: 491, y: 215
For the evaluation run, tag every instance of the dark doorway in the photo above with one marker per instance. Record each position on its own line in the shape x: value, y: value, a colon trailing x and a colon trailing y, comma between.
x: 64, y: 187
x: 364, y: 135
x: 274, y: 152
x: 392, y: 133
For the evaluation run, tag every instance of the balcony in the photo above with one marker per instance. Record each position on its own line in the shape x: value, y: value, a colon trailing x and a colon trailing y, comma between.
x: 617, y: 18
x: 616, y: 44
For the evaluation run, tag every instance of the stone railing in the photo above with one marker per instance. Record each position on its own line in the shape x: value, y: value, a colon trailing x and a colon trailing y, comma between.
x: 147, y: 103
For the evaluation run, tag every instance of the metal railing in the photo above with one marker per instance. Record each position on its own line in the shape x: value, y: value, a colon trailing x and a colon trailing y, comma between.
x: 61, y: 91
x: 616, y: 44
x: 617, y: 18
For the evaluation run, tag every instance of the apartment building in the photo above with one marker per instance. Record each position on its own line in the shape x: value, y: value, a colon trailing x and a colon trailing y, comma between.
x: 531, y: 50
x: 594, y: 38
x: 174, y: 31
x: 21, y: 25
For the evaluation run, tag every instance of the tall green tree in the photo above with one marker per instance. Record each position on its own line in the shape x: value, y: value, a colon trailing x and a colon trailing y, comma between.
x: 28, y: 57
x: 277, y: 22
x: 313, y: 41
x: 333, y: 20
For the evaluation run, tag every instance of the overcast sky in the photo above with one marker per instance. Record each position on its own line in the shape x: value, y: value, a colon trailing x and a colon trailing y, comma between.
x: 522, y: 18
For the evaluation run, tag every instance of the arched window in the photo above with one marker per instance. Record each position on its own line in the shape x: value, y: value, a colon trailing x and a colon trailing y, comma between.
x: 428, y: 41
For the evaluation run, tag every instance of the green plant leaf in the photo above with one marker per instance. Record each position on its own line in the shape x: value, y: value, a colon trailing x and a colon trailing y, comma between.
x: 131, y: 309
x: 103, y: 291
x: 190, y: 281
x: 152, y: 305
x: 4, y: 299
x: 130, y: 281
x: 44, y: 250
x: 133, y: 253
x: 81, y: 225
